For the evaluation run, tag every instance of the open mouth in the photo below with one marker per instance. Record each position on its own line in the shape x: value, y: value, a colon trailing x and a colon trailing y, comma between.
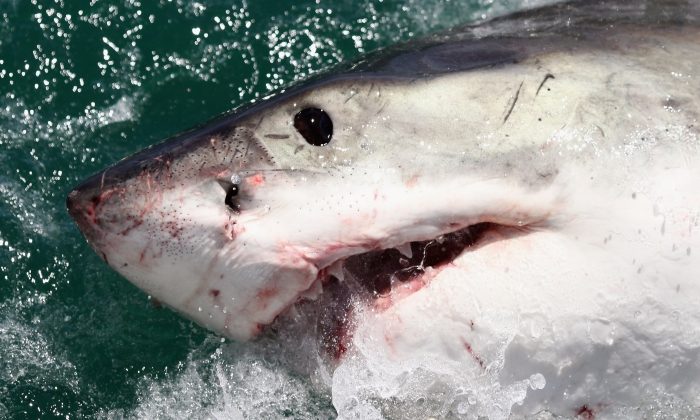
x: 377, y: 279
x: 383, y: 270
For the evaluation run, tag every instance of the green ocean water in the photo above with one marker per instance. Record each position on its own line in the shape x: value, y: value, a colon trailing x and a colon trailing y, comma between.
x: 85, y: 83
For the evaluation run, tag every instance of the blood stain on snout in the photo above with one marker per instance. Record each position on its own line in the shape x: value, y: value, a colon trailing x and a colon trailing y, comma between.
x: 173, y: 228
x: 265, y: 295
x: 230, y: 230
x: 412, y: 181
x: 256, y: 180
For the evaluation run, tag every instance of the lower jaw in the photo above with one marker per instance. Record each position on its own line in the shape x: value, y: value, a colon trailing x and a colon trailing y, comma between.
x: 377, y: 280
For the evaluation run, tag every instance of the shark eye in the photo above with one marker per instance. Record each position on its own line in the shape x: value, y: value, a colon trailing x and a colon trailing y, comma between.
x: 314, y: 125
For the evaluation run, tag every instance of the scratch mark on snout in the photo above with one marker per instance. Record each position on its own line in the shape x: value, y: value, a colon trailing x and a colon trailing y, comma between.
x: 262, y: 117
x: 204, y: 281
x: 102, y: 180
x: 352, y: 95
x: 381, y: 109
x: 143, y: 253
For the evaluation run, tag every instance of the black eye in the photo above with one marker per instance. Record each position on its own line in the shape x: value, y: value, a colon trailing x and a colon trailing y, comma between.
x: 314, y: 125
x: 230, y: 200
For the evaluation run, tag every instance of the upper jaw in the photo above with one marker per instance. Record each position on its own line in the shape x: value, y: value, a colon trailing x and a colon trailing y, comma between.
x: 338, y: 240
x: 279, y: 254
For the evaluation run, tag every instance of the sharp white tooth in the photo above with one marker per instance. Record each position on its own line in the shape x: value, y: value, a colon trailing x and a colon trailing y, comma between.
x: 336, y: 270
x: 313, y: 292
x: 292, y: 312
x: 405, y: 249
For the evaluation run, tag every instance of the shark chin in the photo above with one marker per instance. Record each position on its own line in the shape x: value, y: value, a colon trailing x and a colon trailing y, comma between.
x: 498, y: 221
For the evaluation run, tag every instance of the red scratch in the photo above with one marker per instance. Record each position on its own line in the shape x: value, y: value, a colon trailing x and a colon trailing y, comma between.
x: 256, y: 329
x: 267, y: 293
x: 471, y: 352
x: 256, y: 180
x: 585, y: 412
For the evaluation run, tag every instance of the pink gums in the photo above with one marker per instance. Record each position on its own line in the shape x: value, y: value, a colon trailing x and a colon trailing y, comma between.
x: 404, y: 289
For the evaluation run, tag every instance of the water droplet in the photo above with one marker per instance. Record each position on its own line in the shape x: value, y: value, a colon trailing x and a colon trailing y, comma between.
x: 537, y: 381
x: 463, y: 407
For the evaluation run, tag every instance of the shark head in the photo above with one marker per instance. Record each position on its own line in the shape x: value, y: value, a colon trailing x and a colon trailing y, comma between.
x: 234, y: 223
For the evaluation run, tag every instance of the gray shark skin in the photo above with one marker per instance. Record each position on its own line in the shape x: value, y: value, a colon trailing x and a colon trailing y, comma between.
x: 510, y: 208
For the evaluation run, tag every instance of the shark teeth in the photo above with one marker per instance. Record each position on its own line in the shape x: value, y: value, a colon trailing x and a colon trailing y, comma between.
x: 405, y: 250
x: 336, y: 270
x: 313, y: 292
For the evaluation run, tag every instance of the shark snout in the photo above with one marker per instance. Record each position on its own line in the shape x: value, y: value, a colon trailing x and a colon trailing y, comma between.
x: 99, y: 206
x: 82, y: 204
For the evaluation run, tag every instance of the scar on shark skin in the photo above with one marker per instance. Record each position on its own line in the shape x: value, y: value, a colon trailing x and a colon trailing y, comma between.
x: 546, y: 77
x: 350, y: 97
x: 512, y: 105
x: 585, y: 412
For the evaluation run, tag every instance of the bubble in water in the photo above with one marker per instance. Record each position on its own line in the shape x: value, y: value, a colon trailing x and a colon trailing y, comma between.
x: 464, y: 402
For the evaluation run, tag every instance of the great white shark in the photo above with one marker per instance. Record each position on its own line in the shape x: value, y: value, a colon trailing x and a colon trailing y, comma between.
x: 510, y: 206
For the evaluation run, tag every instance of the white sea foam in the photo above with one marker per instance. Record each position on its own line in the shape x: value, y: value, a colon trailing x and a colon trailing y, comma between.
x: 285, y: 375
x: 231, y: 381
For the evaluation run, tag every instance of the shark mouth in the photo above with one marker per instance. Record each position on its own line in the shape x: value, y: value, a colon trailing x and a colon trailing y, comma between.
x: 383, y: 271
x: 377, y: 279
